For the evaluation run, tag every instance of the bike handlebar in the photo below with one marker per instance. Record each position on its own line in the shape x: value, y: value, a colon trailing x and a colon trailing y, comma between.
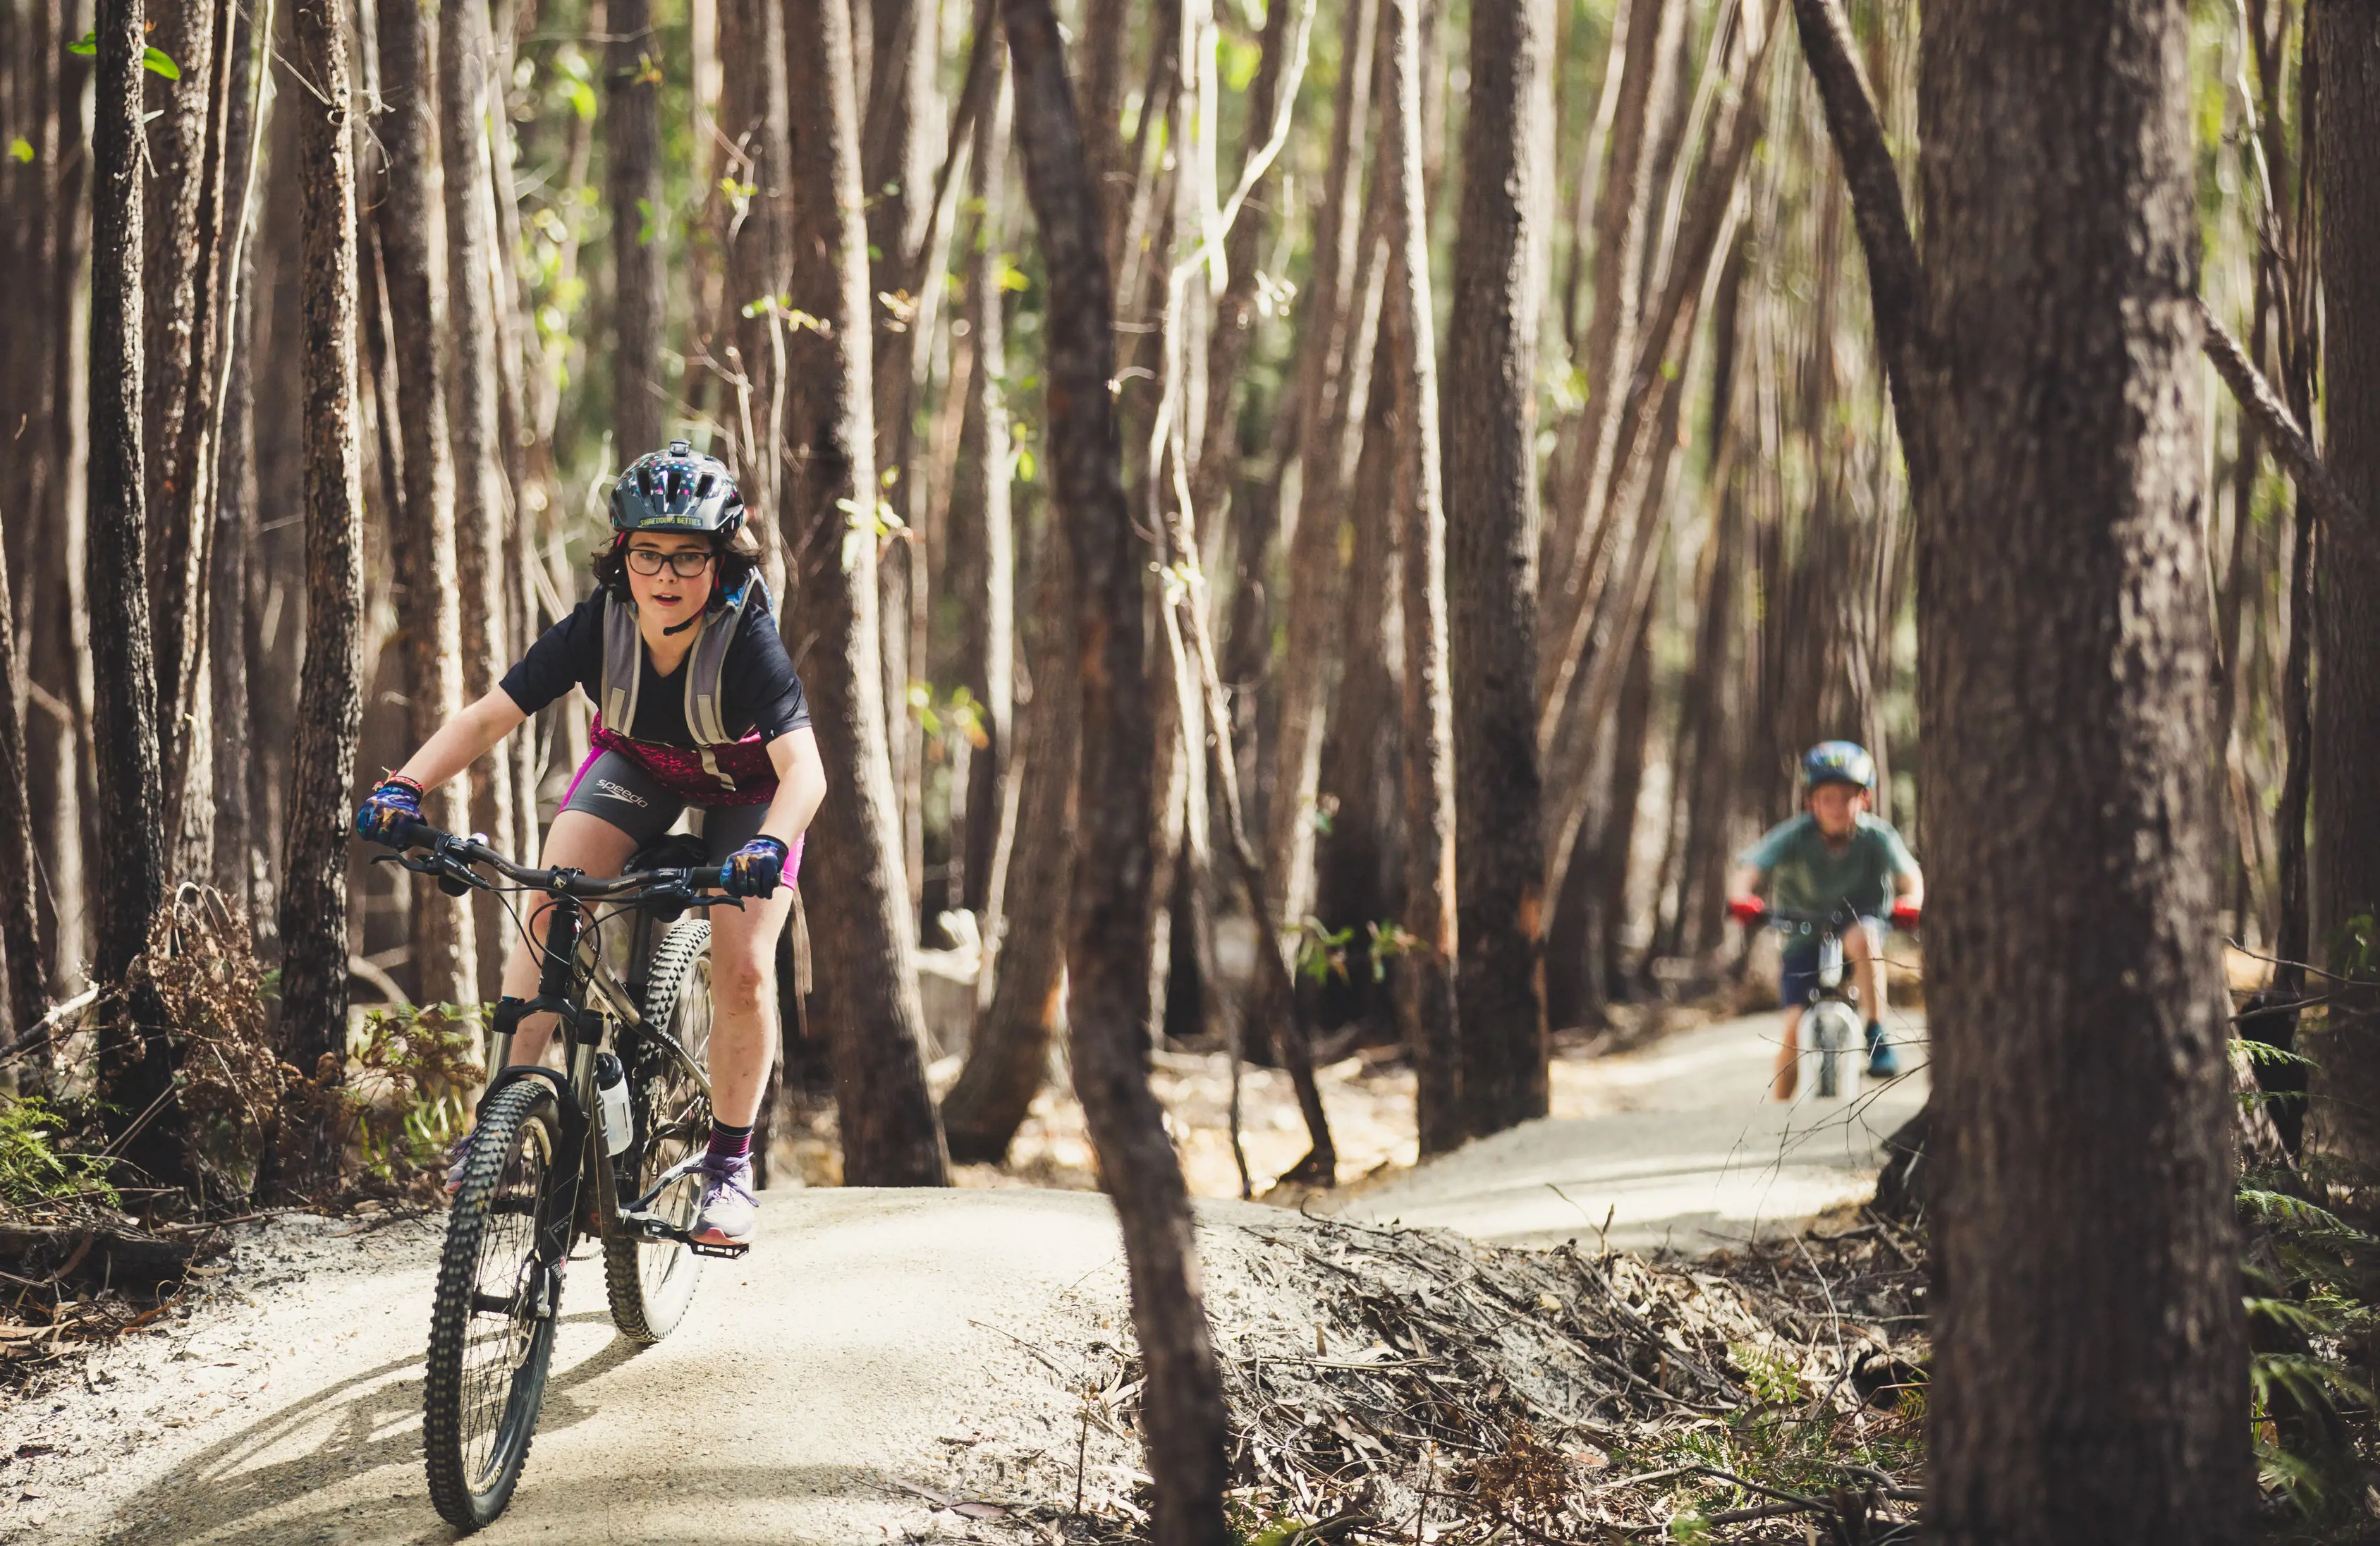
x: 452, y: 858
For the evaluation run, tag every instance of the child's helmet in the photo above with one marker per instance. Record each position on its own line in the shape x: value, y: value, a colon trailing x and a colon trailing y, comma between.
x: 677, y: 490
x: 1838, y: 763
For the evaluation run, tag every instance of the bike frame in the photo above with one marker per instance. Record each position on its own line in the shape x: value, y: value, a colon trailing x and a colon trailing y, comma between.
x: 571, y: 971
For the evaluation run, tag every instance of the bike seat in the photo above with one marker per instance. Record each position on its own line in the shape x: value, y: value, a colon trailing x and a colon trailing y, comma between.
x: 676, y: 850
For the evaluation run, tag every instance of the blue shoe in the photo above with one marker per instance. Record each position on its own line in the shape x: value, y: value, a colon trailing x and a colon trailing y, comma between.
x: 1883, y: 1062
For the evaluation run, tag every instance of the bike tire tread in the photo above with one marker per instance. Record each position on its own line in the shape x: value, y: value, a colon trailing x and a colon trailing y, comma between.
x: 450, y: 1489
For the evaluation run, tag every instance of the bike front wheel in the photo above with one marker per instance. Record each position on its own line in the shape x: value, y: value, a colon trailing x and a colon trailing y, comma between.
x: 1834, y: 1032
x: 499, y: 1295
x: 651, y: 1282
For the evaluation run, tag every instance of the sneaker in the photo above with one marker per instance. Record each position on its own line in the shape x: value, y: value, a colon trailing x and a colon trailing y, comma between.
x: 729, y: 1212
x: 1883, y: 1062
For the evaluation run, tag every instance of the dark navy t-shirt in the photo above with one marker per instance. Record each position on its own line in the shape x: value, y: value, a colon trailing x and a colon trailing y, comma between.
x: 758, y: 688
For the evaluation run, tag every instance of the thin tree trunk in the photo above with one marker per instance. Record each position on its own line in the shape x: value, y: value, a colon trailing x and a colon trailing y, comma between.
x: 988, y: 587
x: 413, y: 254
x: 321, y: 773
x: 136, y: 1063
x: 20, y: 940
x: 2344, y: 44
x: 1425, y: 964
x: 632, y: 131
x: 1010, y: 1050
x: 1492, y: 567
x: 1186, y: 1425
x: 752, y: 113
x: 897, y: 148
x: 469, y: 92
x: 2090, y: 1368
x: 183, y: 221
x: 890, y: 1136
x: 233, y: 866
x: 1334, y: 326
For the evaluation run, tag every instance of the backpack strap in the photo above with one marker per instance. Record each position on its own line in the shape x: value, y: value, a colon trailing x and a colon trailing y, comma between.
x: 623, y: 660
x: 707, y: 663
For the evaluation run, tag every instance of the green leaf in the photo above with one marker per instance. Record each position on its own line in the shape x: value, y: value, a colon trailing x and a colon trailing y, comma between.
x: 581, y: 97
x: 86, y: 46
x: 158, y: 62
x: 21, y: 148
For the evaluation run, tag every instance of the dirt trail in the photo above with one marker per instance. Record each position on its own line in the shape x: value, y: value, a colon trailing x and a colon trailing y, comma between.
x: 1676, y: 1144
x: 878, y: 1355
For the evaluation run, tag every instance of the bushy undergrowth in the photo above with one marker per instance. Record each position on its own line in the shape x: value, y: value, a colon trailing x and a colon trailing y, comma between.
x: 35, y: 1168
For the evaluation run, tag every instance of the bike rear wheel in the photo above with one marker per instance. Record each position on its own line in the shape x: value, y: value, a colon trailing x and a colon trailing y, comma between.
x: 499, y: 1292
x: 651, y: 1282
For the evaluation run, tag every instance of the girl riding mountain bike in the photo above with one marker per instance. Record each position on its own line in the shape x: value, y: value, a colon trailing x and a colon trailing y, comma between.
x: 697, y: 707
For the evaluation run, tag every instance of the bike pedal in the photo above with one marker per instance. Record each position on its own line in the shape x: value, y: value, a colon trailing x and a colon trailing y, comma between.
x: 704, y: 1248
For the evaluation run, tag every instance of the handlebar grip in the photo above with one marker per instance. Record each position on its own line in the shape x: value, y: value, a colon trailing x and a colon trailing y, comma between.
x: 719, y: 879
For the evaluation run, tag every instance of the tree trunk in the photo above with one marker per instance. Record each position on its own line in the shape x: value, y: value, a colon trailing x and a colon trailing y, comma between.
x: 632, y: 140
x: 1425, y: 964
x: 468, y: 92
x: 1492, y: 568
x: 179, y: 269
x: 2090, y: 1368
x: 897, y: 152
x: 136, y: 1063
x: 421, y: 549
x: 20, y: 940
x: 990, y: 587
x: 752, y: 114
x: 890, y: 1137
x: 2345, y: 79
x: 1010, y: 1050
x: 1186, y: 1425
x: 1335, y: 348
x: 322, y: 772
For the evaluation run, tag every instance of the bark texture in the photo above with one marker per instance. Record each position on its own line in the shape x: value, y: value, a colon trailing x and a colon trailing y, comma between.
x: 1492, y: 565
x: 632, y: 131
x: 1425, y: 967
x: 2090, y: 1367
x: 412, y: 228
x: 20, y: 941
x: 468, y: 92
x: 2344, y: 50
x: 322, y: 772
x: 890, y: 1135
x: 1186, y: 1425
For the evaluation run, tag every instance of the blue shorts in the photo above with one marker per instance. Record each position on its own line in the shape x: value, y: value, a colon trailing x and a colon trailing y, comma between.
x: 1797, y: 969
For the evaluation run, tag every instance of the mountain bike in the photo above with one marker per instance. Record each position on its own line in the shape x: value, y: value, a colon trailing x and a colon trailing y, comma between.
x: 1832, y: 1015
x: 608, y: 1149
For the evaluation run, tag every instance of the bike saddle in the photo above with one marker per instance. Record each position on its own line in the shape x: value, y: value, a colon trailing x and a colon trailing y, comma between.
x: 676, y: 850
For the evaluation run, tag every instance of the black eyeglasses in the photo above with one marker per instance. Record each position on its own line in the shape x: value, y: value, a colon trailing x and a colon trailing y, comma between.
x: 685, y: 564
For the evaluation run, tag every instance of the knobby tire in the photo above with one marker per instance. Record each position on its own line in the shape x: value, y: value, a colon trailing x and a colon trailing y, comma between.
x: 505, y: 1200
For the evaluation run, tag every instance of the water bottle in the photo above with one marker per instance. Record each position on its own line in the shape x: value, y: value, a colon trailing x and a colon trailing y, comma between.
x: 611, y: 1091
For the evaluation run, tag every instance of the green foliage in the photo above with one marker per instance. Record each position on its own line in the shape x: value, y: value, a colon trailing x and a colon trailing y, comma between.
x: 1322, y: 953
x: 411, y: 1075
x: 156, y: 61
x: 1771, y: 1372
x: 33, y: 1168
x: 20, y: 149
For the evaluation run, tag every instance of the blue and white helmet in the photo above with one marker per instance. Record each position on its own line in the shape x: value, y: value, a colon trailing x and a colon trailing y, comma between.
x: 1838, y: 763
x: 677, y: 490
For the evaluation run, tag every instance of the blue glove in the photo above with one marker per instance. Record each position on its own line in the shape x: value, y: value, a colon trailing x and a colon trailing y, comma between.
x: 755, y: 868
x: 388, y: 811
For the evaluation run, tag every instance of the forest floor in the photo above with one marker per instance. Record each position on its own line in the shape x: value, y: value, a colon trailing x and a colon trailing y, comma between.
x: 957, y: 1364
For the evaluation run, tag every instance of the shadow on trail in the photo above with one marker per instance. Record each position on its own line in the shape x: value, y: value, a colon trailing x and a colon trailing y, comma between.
x: 368, y: 1420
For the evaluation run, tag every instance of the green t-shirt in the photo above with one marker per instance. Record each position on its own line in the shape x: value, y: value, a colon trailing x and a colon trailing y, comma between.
x: 1807, y: 874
